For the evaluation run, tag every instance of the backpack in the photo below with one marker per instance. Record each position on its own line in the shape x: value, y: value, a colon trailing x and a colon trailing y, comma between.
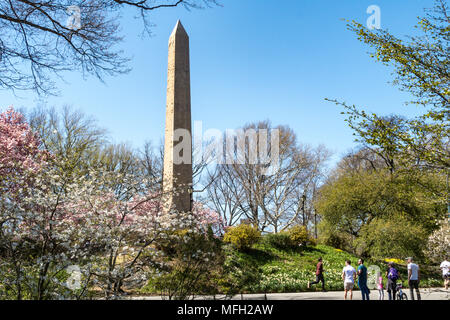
x: 393, y: 274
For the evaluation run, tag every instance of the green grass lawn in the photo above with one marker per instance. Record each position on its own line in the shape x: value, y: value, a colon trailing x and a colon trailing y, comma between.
x: 290, y: 270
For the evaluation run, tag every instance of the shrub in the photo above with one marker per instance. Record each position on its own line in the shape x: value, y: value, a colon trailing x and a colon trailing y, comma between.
x: 299, y: 236
x: 243, y: 237
x: 293, y: 238
x: 280, y: 240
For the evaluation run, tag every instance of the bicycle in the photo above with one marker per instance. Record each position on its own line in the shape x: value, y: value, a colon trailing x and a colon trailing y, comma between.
x: 400, y: 294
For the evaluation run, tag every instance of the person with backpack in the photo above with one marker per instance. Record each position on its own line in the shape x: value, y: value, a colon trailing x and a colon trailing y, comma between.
x: 319, y: 275
x: 413, y: 278
x: 392, y: 275
x: 362, y: 280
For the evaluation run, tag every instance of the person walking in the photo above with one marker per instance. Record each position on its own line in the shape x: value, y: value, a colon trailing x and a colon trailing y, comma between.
x: 319, y: 275
x: 362, y: 280
x: 445, y: 267
x: 392, y: 276
x: 349, y: 276
x: 413, y: 278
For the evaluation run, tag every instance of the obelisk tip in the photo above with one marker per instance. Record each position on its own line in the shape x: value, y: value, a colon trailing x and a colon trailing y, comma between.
x: 179, y: 29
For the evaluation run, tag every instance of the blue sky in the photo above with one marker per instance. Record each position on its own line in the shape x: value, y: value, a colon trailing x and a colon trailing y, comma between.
x: 250, y: 60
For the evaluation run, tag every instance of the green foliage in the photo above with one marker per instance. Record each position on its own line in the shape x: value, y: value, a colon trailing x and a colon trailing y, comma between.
x: 421, y: 62
x: 296, y: 236
x: 243, y: 237
x: 330, y: 237
x: 281, y: 240
x: 421, y: 68
x: 350, y: 202
x: 395, y: 237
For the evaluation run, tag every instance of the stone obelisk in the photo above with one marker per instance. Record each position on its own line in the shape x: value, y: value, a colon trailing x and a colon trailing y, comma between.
x: 177, y: 175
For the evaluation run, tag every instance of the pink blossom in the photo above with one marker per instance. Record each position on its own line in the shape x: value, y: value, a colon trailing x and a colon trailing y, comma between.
x: 20, y: 154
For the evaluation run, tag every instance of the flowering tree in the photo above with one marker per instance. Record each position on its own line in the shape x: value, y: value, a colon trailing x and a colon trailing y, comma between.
x: 35, y: 245
x: 439, y: 243
x: 20, y: 156
x: 130, y: 232
x: 109, y: 224
x: 115, y: 241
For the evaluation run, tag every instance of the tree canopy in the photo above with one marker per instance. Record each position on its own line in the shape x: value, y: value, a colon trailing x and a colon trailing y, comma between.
x: 422, y: 68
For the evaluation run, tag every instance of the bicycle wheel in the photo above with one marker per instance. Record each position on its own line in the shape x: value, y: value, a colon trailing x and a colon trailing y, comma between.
x: 404, y: 296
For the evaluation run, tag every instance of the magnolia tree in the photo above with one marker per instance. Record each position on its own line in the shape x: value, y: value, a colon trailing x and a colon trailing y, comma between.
x: 67, y: 239
x: 112, y: 241
x: 438, y: 247
x: 132, y: 233
x: 20, y: 155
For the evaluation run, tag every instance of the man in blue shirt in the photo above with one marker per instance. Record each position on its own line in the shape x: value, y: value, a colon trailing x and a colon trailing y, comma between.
x: 413, y: 278
x: 362, y: 280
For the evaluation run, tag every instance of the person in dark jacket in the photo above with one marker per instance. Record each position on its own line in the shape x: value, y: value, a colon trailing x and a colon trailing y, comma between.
x: 319, y: 275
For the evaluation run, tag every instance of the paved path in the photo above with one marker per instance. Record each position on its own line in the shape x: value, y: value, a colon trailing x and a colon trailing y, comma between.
x: 427, y: 294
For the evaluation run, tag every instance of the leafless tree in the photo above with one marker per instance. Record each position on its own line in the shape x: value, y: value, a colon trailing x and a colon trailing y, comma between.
x: 41, y: 38
x: 274, y: 201
x: 151, y: 161
x: 227, y: 195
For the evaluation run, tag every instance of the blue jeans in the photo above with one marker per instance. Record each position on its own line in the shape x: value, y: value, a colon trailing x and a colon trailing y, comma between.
x: 364, y: 290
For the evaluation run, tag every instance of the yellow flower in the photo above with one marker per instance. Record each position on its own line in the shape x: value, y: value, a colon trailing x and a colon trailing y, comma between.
x: 394, y: 260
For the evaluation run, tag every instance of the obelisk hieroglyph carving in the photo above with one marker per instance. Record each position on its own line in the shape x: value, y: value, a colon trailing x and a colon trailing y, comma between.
x: 177, y: 175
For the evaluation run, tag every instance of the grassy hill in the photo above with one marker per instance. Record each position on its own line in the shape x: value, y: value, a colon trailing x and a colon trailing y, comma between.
x: 275, y: 270
x: 290, y: 270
